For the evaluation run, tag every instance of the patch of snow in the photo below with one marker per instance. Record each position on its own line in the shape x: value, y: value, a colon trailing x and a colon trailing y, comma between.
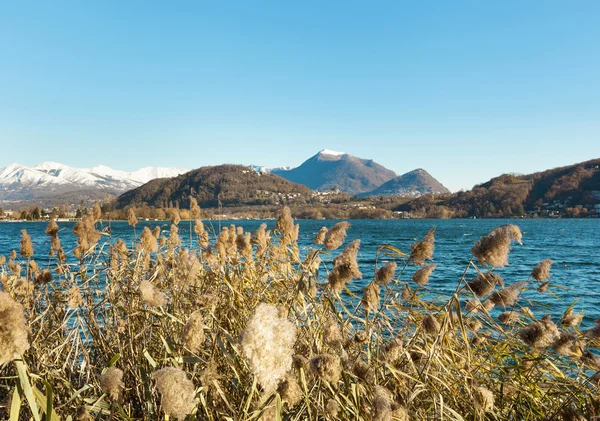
x: 332, y: 153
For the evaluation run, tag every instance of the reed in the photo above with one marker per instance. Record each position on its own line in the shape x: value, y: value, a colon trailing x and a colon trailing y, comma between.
x: 247, y: 326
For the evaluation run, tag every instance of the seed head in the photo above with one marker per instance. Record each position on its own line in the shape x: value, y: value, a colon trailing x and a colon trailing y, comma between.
x: 336, y: 235
x: 370, y: 298
x: 131, y: 218
x: 508, y: 296
x: 75, y: 298
x: 320, y: 237
x: 178, y: 395
x: 192, y: 334
x: 149, y: 243
x: 194, y: 208
x: 542, y: 271
x: 493, y: 248
x: 345, y: 267
x: 385, y: 274
x: 421, y: 276
x: 509, y: 317
x: 52, y: 228
x: 423, y: 250
x: 540, y: 334
x: 111, y: 383
x: 151, y: 295
x: 484, y: 283
x: 484, y: 399
x: 13, y: 329
x: 267, y: 343
x: 26, y: 246
x: 327, y: 367
x: 431, y: 325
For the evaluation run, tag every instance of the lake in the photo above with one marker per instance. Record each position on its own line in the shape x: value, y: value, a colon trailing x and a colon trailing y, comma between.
x: 573, y: 245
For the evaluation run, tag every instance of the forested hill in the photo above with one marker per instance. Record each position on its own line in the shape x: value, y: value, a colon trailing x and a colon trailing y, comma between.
x: 231, y: 185
x: 573, y: 190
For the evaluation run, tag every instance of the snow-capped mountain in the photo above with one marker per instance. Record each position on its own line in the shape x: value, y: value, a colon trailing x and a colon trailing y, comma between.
x: 49, y: 181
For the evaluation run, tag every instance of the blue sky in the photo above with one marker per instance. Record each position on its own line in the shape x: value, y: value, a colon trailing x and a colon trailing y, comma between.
x: 465, y: 89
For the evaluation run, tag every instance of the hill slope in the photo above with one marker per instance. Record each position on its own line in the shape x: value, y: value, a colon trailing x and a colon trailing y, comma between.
x: 413, y: 183
x: 556, y: 191
x: 232, y: 185
x: 336, y: 170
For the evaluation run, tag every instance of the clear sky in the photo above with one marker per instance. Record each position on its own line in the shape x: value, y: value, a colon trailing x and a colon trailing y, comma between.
x: 465, y: 89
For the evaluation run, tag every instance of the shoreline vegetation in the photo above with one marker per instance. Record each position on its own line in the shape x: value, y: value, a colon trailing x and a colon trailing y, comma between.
x: 244, y: 327
x: 339, y: 212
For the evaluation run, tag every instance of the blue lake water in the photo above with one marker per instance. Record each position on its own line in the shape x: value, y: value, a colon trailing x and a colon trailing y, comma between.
x: 573, y: 245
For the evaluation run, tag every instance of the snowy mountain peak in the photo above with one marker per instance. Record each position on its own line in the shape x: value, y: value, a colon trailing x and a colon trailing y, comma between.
x: 331, y: 153
x: 19, y: 182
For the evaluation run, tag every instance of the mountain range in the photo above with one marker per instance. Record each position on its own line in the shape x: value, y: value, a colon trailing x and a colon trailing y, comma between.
x: 48, y: 182
x: 356, y: 176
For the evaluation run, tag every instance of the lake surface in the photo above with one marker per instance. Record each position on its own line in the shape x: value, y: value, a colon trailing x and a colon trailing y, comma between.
x: 573, y: 245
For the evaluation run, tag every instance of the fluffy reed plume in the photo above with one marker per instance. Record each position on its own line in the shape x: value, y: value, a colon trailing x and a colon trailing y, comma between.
x: 175, y: 216
x: 393, y: 350
x: 174, y: 239
x: 542, y: 271
x: 593, y: 333
x: 267, y: 343
x: 261, y: 238
x: 385, y: 274
x: 26, y: 246
x: 150, y: 295
x: 364, y: 371
x: 423, y: 250
x: 476, y: 305
x: 382, y: 404
x: 421, y: 276
x: 591, y: 360
x: 570, y: 319
x: 244, y: 245
x: 543, y: 288
x: 192, y: 334
x: 156, y: 232
x: 52, y: 228
x: 334, y: 238
x: 13, y: 329
x: 483, y: 399
x: 430, y: 324
x: 370, y: 298
x: 44, y: 277
x: 149, y: 243
x: 332, y: 408
x: 285, y: 226
x: 178, y: 395
x: 540, y: 334
x: 327, y: 367
x: 87, y: 235
x: 565, y: 344
x: 131, y: 218
x: 509, y: 317
x: 194, y: 208
x: 493, y: 248
x: 332, y: 336
x: 484, y: 283
x: 320, y: 237
x: 290, y: 390
x: 74, y: 298
x: 111, y: 383
x: 508, y: 296
x: 345, y: 268
x: 96, y: 212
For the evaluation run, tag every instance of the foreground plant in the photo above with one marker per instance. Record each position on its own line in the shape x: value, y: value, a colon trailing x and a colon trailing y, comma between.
x: 249, y: 326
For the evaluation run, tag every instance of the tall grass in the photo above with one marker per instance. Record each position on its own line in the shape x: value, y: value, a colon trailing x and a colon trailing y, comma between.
x: 246, y: 326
